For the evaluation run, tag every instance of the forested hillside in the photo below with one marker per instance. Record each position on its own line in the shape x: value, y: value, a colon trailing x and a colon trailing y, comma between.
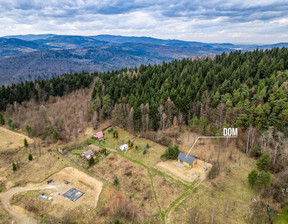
x: 240, y: 89
x: 41, y: 90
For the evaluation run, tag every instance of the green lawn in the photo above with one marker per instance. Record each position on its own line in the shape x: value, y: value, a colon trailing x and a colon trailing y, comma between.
x: 152, y: 155
x: 283, y: 217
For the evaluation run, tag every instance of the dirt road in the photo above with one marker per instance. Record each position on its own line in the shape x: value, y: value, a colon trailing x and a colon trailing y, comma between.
x: 5, y: 200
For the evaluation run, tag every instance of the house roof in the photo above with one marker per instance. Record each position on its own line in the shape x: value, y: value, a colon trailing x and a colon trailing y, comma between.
x: 99, y: 134
x: 185, y: 158
x: 88, y: 153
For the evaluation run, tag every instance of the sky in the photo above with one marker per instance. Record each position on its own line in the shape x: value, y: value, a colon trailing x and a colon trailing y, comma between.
x: 213, y: 21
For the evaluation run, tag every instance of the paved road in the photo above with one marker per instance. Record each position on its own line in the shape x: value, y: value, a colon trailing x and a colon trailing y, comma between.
x: 7, y: 195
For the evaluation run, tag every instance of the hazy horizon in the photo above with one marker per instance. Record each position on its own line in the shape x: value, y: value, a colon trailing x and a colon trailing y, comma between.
x: 104, y: 34
x: 217, y: 21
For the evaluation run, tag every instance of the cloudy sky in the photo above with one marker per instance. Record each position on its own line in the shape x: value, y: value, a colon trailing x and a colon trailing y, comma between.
x: 234, y: 21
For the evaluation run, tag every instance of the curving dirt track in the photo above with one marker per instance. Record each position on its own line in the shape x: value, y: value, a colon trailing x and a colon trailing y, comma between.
x: 5, y: 200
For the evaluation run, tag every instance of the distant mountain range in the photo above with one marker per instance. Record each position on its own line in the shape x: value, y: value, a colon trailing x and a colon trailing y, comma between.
x: 29, y: 57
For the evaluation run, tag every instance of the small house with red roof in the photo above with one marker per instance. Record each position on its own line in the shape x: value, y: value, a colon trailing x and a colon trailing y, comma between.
x: 99, y: 136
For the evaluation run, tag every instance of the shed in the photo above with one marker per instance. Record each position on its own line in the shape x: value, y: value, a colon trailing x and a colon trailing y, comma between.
x: 87, y: 154
x: 186, y: 160
x: 124, y: 147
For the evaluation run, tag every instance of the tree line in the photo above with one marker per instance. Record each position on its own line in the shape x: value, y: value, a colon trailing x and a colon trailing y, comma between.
x: 41, y: 90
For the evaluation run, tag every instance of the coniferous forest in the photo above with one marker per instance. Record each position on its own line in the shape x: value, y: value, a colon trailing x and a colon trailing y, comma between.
x: 239, y: 89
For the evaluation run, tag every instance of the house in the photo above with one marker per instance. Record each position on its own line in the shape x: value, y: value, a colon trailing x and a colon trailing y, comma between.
x: 186, y: 160
x: 95, y: 148
x: 124, y: 147
x: 99, y: 136
x: 87, y: 154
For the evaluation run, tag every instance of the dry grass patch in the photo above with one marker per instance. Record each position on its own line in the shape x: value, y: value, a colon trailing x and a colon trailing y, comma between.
x: 133, y: 180
x: 10, y: 139
x: 38, y: 169
x: 166, y: 191
x: 227, y: 198
x: 4, y: 216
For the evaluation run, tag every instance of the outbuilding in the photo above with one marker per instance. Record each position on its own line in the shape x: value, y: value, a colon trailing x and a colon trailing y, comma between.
x: 186, y: 160
x: 124, y: 147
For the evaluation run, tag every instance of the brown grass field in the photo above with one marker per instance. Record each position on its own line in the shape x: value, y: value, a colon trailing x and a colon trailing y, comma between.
x: 133, y: 180
x: 10, y: 139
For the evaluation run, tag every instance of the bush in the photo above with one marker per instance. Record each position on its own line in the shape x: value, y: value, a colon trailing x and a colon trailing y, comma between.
x: 29, y: 130
x: 215, y: 170
x: 117, y: 221
x: 91, y: 161
x: 228, y: 169
x: 116, y: 181
x: 263, y: 162
x: 252, y: 177
x: 14, y: 167
x: 104, y: 151
x: 213, y: 129
x: 11, y: 124
x: 259, y: 179
x: 25, y: 142
x: 255, y: 151
x: 171, y: 153
x: 115, y: 134
x: 55, y: 134
x: 110, y: 130
x: 263, y: 179
x: 30, y: 157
